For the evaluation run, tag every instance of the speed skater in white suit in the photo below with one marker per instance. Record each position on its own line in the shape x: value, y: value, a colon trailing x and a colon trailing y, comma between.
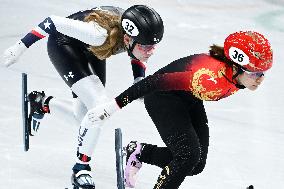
x: 78, y: 47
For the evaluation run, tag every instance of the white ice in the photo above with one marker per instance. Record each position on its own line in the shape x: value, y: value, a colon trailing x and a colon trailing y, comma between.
x: 246, y: 131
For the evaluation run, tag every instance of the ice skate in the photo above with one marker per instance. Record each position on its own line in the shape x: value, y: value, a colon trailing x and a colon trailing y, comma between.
x: 82, y: 177
x: 38, y: 107
x: 133, y: 164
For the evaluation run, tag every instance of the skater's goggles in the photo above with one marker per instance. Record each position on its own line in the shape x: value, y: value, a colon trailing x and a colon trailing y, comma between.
x: 251, y: 74
x: 146, y: 47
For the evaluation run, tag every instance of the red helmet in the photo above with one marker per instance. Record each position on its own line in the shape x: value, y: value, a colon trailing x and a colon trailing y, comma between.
x: 249, y: 49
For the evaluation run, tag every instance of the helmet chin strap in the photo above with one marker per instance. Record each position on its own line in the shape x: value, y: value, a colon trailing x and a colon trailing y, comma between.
x: 239, y: 71
x: 130, y: 49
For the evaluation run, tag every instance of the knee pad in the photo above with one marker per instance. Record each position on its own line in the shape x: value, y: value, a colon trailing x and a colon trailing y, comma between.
x: 90, y: 91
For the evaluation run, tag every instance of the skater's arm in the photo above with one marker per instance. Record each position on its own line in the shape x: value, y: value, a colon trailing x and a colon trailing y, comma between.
x: 157, y: 82
x: 138, y: 69
x: 88, y: 32
x: 152, y: 83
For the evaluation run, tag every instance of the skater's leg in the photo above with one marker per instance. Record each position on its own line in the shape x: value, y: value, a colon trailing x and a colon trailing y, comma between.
x: 63, y: 110
x: 161, y: 156
x: 154, y: 155
x: 85, y: 76
x: 67, y: 110
x: 90, y: 92
x: 72, y: 66
x: 186, y: 154
x: 177, y: 133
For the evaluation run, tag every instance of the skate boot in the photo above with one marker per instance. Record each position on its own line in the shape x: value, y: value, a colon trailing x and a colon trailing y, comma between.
x: 133, y: 164
x: 82, y: 176
x: 39, y: 105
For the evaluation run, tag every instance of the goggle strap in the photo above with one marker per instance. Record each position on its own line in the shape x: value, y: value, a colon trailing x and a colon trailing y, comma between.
x: 130, y: 50
x: 239, y: 71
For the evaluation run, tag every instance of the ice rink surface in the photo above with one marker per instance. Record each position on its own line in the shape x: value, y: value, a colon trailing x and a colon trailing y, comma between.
x: 246, y: 129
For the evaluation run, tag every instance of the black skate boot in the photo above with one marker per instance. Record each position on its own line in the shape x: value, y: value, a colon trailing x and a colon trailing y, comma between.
x: 82, y: 177
x: 39, y: 105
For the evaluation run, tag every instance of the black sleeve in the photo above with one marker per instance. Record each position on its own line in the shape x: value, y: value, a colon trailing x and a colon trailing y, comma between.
x: 138, y: 68
x: 156, y: 82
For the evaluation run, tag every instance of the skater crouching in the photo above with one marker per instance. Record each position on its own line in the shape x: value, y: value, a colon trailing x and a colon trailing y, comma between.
x: 174, y: 96
x: 78, y: 47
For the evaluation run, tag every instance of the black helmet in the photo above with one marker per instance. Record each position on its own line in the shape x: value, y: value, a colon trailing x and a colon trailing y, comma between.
x: 143, y: 24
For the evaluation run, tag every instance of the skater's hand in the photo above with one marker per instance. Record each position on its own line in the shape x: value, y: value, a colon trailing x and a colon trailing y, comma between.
x: 12, y: 54
x: 101, y: 113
